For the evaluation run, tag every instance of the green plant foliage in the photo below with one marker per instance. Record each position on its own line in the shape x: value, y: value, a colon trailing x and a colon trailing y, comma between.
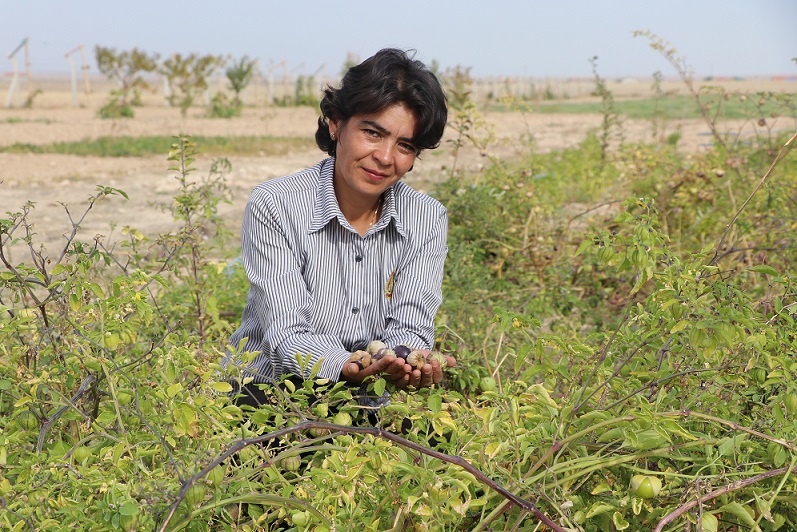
x: 623, y: 321
x: 127, y: 68
x: 188, y: 77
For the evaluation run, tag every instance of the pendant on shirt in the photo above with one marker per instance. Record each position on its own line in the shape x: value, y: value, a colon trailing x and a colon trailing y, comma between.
x: 391, y: 282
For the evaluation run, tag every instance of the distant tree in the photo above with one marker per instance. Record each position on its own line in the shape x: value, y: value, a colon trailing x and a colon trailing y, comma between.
x: 240, y: 74
x: 127, y: 68
x: 188, y: 77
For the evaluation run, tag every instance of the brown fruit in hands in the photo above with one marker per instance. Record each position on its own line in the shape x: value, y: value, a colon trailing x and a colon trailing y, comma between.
x: 416, y: 359
x: 377, y: 350
x: 374, y: 346
x: 361, y: 358
x: 382, y: 353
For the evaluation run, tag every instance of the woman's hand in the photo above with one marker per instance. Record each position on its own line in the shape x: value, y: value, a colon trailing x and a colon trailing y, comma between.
x: 393, y: 369
x: 429, y: 374
x: 398, y: 373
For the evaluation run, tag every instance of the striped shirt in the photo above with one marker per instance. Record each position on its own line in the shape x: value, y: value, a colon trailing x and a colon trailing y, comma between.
x: 317, y: 287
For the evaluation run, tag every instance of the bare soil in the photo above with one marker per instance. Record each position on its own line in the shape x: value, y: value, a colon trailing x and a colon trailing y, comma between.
x: 59, y: 185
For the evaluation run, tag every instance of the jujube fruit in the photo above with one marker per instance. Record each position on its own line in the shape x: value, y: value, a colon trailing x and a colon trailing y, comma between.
x: 645, y: 486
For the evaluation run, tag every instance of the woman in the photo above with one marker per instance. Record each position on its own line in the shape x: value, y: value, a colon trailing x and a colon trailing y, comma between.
x: 344, y: 252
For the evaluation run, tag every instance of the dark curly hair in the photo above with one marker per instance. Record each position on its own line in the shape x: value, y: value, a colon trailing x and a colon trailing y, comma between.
x: 389, y: 77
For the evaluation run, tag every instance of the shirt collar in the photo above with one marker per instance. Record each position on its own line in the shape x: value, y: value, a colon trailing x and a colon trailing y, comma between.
x: 326, y: 206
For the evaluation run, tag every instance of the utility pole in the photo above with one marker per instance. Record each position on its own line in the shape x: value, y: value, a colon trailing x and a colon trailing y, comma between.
x: 15, y: 79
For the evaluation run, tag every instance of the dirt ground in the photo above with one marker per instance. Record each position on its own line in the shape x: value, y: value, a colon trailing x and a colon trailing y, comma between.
x: 54, y: 181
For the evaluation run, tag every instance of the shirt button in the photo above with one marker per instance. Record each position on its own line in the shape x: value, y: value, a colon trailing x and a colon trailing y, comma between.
x: 355, y: 310
x: 358, y: 258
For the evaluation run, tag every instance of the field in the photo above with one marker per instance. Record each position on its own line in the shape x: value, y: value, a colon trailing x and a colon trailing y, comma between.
x: 619, y: 294
x: 51, y: 179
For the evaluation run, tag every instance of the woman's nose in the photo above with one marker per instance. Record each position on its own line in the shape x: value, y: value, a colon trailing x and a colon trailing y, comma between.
x: 384, y: 153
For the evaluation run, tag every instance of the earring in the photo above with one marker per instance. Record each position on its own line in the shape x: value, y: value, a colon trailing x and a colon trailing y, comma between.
x: 332, y: 136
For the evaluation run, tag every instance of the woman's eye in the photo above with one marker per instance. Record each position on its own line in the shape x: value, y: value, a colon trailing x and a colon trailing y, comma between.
x: 371, y: 133
x: 408, y: 148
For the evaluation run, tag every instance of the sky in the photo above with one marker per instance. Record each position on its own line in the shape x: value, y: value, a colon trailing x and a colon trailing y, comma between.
x: 529, y: 38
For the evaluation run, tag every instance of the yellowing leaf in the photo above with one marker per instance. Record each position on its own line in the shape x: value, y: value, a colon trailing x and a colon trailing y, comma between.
x: 681, y: 325
x: 174, y: 389
x: 221, y: 387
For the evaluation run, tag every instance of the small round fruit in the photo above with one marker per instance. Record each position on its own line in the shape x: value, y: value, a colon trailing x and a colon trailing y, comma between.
x: 195, y: 495
x: 645, y: 486
x: 292, y: 462
x: 374, y: 346
x: 342, y: 418
x: 215, y: 476
x: 28, y: 420
x: 402, y: 351
x: 487, y: 384
x: 300, y: 518
x: 124, y: 398
x: 81, y: 454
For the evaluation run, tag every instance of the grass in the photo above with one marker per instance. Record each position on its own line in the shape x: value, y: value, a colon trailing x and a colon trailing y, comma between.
x: 158, y: 145
x: 670, y: 107
x: 17, y: 120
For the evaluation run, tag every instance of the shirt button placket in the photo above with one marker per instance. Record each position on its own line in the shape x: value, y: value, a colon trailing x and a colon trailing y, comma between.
x: 358, y: 259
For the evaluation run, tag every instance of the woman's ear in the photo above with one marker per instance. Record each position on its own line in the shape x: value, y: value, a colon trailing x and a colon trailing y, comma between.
x: 334, y: 126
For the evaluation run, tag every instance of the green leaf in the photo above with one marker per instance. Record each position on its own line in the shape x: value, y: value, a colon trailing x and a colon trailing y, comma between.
x: 174, y: 389
x: 710, y: 523
x: 681, y: 325
x: 599, y: 508
x: 729, y: 445
x: 128, y: 508
x: 435, y: 403
x: 766, y: 270
x: 74, y: 302
x: 221, y: 387
x: 741, y: 512
x: 97, y: 290
x: 379, y: 386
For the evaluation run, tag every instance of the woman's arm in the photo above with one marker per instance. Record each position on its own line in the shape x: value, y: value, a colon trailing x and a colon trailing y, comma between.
x: 279, y: 294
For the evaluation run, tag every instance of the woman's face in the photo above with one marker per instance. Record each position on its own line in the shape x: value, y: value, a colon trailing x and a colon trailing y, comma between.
x: 373, y: 152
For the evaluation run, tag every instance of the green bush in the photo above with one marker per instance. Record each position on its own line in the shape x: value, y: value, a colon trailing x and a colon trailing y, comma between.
x: 624, y: 326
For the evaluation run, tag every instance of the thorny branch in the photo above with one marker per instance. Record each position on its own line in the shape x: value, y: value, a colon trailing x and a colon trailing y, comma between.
x: 237, y: 446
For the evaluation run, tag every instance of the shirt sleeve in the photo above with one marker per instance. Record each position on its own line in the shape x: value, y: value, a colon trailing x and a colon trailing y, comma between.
x: 417, y: 291
x: 280, y: 297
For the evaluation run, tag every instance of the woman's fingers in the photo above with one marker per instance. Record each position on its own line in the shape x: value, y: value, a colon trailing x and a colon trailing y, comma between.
x: 396, y: 371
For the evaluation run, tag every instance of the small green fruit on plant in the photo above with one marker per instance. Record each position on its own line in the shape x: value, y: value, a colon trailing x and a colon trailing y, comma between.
x: 81, y: 454
x: 300, y: 518
x: 215, y: 476
x: 291, y: 463
x: 645, y: 486
x: 487, y: 384
x: 28, y: 420
x: 195, y: 495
